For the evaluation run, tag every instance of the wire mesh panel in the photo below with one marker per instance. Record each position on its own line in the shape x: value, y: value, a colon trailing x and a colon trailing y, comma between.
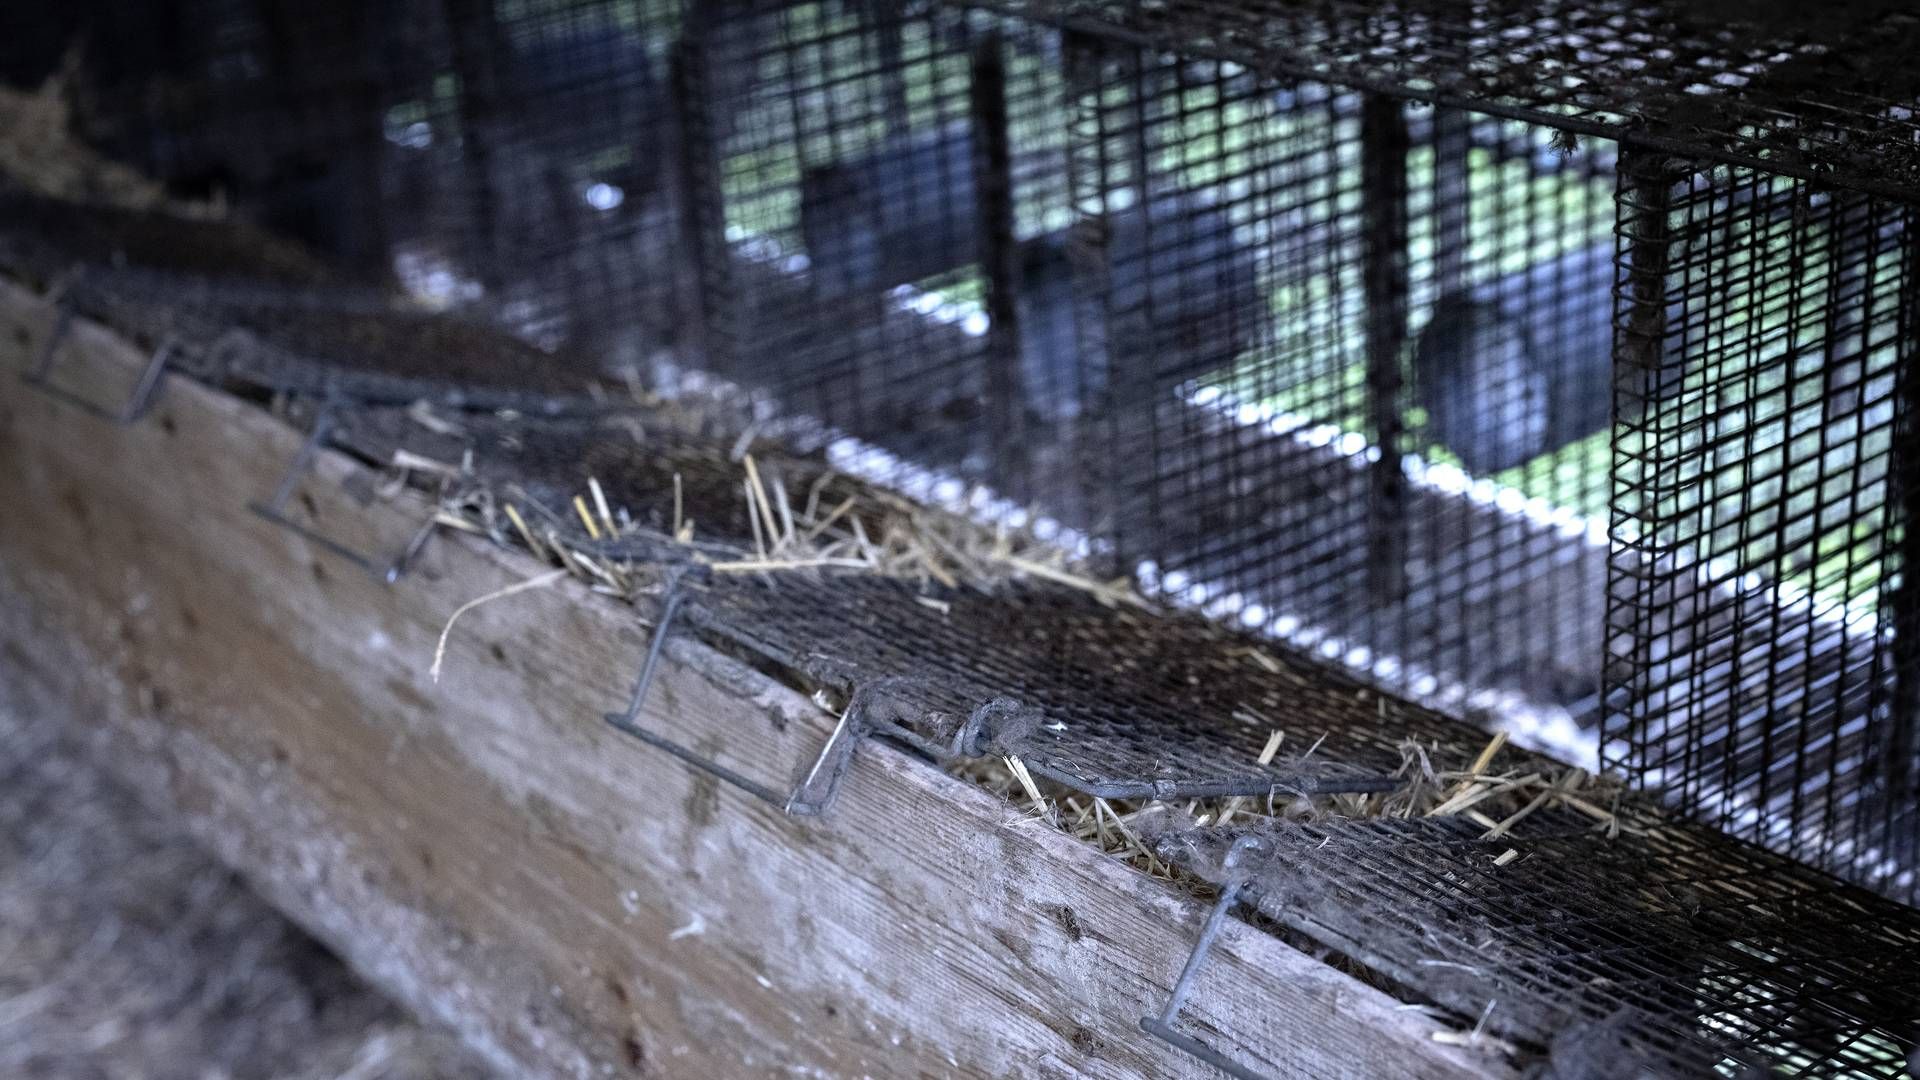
x: 275, y: 105
x: 854, y: 220
x: 1666, y: 951
x: 515, y: 158
x: 1310, y: 357
x: 531, y: 166
x: 1761, y: 496
x: 1104, y: 698
x: 1810, y: 92
x: 1114, y: 703
x: 1333, y: 364
x: 43, y: 241
x: 1199, y: 280
x: 1401, y: 469
x: 233, y: 303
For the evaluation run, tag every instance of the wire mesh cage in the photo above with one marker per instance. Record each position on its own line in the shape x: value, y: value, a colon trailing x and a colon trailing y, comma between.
x: 1546, y: 362
x: 1761, y: 495
x: 1142, y: 289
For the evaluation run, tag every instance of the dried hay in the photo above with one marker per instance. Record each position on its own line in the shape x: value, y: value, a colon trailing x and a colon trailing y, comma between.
x: 869, y: 531
x: 38, y: 150
x: 1496, y: 799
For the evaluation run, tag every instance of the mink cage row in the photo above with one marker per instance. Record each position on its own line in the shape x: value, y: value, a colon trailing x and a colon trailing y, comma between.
x: 1600, y: 441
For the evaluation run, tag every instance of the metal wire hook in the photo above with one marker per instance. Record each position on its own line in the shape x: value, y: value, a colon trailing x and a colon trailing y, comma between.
x: 275, y: 508
x: 1161, y: 1026
x: 40, y: 375
x: 812, y: 794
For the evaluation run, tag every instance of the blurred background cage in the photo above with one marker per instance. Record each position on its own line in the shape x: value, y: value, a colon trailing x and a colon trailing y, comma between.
x: 1578, y: 404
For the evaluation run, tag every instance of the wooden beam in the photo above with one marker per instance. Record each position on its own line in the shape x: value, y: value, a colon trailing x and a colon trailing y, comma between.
x: 485, y: 848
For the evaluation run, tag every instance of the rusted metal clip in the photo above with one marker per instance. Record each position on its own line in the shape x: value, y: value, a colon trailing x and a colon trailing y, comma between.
x: 1161, y: 1026
x: 40, y: 375
x: 877, y: 707
x: 275, y: 509
x: 811, y: 795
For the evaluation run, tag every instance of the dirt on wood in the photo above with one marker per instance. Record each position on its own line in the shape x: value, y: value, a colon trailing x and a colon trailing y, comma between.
x: 126, y: 952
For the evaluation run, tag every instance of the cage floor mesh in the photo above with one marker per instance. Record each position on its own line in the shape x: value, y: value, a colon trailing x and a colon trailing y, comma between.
x: 1121, y: 704
x: 43, y: 238
x: 1666, y: 950
x: 1668, y: 946
x: 1114, y: 701
x: 240, y: 305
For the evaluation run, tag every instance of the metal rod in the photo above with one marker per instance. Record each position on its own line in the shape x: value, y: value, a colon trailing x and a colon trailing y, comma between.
x: 835, y: 757
x: 274, y: 509
x: 1161, y: 1027
x: 700, y: 193
x: 40, y: 374
x: 660, y: 631
x: 823, y: 773
x: 831, y: 764
x: 62, y: 323
x: 321, y: 540
x: 1216, y: 919
x: 1383, y: 191
x: 1000, y: 258
x: 706, y: 765
x: 303, y: 460
x: 818, y: 786
x: 398, y: 567
x: 1902, y: 757
x: 148, y: 387
x: 1196, y: 1048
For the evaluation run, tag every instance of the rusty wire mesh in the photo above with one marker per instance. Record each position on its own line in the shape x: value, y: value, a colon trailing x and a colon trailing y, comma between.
x: 1665, y: 951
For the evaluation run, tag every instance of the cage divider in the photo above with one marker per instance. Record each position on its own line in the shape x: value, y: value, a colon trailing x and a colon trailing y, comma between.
x: 474, y: 47
x: 1000, y: 258
x: 1129, y: 378
x: 347, y: 36
x: 1901, y: 757
x: 1135, y: 378
x: 1383, y: 187
x: 1850, y: 259
x: 1083, y: 66
x: 701, y: 194
x: 886, y: 20
x: 1453, y: 144
x: 1643, y: 204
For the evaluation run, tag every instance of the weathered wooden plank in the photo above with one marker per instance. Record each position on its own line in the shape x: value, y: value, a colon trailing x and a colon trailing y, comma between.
x: 574, y: 902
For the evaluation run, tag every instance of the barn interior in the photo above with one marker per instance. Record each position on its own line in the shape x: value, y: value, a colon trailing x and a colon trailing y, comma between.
x: 1427, y: 484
